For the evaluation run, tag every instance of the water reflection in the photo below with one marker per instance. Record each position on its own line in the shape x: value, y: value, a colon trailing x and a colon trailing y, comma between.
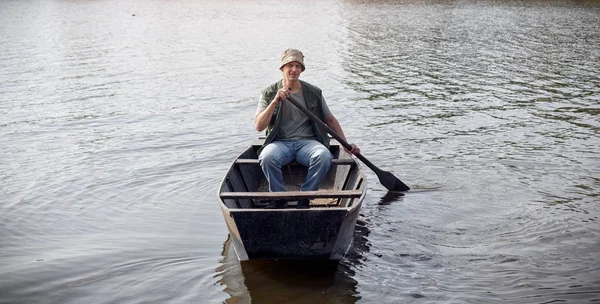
x: 390, y: 197
x: 306, y: 281
x: 283, y: 281
x: 356, y: 255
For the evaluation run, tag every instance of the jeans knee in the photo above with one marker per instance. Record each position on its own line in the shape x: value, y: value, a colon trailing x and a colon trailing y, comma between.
x: 323, y: 157
x: 267, y: 159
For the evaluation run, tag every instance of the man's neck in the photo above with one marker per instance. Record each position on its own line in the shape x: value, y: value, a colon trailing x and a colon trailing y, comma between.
x: 293, y: 84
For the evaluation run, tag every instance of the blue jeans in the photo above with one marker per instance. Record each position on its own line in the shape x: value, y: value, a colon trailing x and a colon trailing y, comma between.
x: 307, y: 152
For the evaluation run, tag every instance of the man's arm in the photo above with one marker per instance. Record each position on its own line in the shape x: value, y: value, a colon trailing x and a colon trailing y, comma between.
x: 334, y: 124
x: 262, y: 119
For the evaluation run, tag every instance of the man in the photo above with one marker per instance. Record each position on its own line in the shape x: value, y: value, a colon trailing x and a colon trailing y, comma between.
x: 291, y: 135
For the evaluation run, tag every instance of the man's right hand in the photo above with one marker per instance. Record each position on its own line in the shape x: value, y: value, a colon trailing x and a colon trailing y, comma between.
x: 282, y: 94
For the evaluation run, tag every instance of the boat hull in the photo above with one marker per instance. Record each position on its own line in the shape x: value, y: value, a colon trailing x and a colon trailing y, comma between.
x: 292, y: 234
x: 324, y: 231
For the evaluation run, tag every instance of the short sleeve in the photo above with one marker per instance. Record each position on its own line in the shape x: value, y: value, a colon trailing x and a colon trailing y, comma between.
x: 326, y: 111
x: 262, y: 104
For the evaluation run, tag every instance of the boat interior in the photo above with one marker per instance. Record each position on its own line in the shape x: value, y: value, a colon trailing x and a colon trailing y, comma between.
x: 245, y: 186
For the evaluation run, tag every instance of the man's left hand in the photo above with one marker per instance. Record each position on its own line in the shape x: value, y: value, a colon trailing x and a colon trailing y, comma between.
x: 355, y: 149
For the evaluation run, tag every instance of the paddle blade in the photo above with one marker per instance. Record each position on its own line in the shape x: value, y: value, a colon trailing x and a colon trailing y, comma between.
x: 389, y: 181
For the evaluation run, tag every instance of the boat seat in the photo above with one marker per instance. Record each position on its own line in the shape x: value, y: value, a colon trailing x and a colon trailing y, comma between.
x: 292, y: 195
x: 254, y: 161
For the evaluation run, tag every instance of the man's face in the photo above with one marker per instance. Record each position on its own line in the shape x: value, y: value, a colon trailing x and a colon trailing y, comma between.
x: 292, y: 70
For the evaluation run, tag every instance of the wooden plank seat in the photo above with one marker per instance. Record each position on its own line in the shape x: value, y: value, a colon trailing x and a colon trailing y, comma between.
x: 293, y: 195
x: 254, y: 161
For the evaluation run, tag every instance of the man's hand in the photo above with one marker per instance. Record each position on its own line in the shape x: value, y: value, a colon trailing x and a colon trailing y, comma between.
x: 355, y: 149
x: 282, y: 94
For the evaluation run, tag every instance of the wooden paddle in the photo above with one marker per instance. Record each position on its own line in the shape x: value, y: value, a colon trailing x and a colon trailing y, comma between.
x: 387, y: 179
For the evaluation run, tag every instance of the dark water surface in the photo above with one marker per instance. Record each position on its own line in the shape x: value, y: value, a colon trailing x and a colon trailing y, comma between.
x: 119, y: 118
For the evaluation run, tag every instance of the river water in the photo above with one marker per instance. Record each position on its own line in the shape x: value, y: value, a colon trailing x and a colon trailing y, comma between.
x: 119, y: 119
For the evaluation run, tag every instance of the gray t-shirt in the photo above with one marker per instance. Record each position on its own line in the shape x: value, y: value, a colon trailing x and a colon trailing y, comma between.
x: 295, y: 125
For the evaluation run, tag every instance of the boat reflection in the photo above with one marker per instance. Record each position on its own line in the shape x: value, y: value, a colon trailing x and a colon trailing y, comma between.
x: 297, y: 281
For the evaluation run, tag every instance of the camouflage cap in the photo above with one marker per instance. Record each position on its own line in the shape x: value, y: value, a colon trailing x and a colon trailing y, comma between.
x: 290, y: 55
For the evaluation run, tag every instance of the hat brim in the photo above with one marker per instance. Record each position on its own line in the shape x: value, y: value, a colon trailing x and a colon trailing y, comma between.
x: 292, y: 60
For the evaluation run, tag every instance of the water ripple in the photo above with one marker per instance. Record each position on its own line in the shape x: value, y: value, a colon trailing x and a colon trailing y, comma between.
x: 119, y: 120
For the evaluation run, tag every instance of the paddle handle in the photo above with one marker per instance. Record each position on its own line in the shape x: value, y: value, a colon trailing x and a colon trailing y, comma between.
x: 314, y: 117
x: 387, y: 179
x: 329, y: 130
